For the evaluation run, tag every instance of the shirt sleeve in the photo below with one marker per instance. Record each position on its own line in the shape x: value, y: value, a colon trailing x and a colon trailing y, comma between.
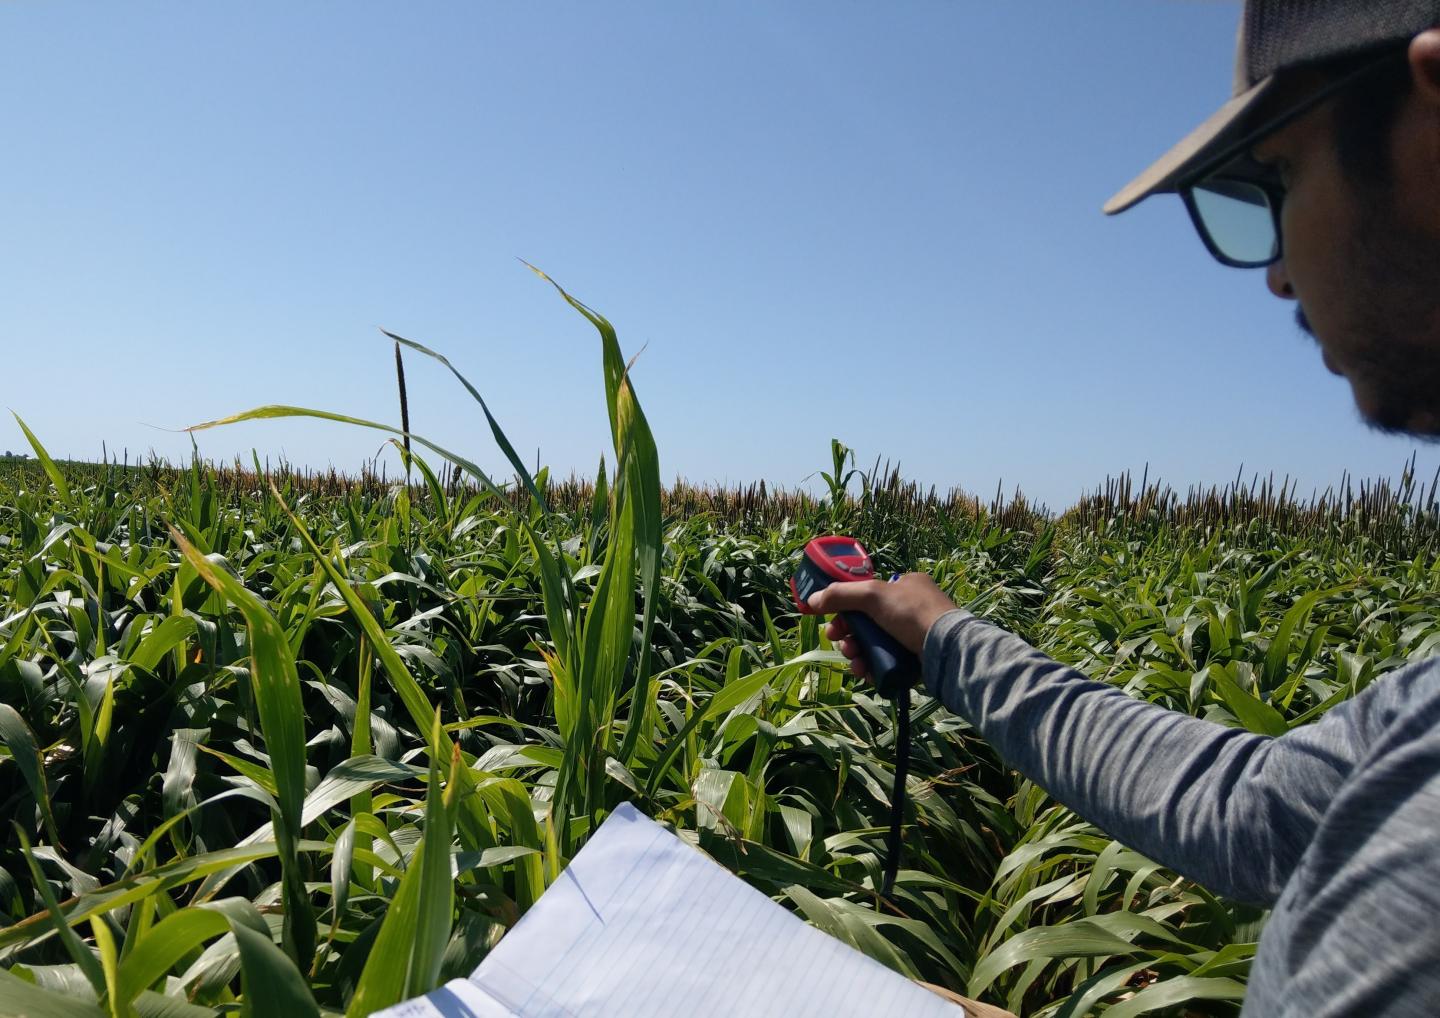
x: 1353, y: 932
x: 1229, y: 809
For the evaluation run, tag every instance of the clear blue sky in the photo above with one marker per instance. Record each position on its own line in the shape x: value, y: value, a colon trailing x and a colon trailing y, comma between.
x: 875, y: 221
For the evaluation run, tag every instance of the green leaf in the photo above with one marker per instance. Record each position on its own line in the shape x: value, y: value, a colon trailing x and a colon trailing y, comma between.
x: 473, y: 825
x: 154, y: 1005
x: 57, y: 477
x: 437, y: 889
x: 1177, y: 990
x: 836, y: 917
x: 79, y: 953
x: 271, y: 982
x: 136, y: 886
x: 177, y: 785
x: 273, y: 412
x: 1255, y: 714
x: 18, y: 738
x: 1278, y: 656
x: 559, y: 614
x: 636, y: 526
x: 278, y: 700
x: 26, y: 1000
x: 1084, y: 997
x: 1082, y: 939
x: 387, y: 969
x: 759, y: 862
x: 110, y: 965
x: 729, y: 697
x: 516, y: 463
x: 261, y: 775
x: 164, y: 638
x: 341, y: 865
x: 176, y: 936
x: 344, y: 781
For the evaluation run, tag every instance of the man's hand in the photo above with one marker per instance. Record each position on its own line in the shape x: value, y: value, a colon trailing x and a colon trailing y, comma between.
x: 906, y: 609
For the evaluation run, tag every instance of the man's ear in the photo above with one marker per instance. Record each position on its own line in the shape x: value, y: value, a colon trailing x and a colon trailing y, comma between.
x: 1425, y: 66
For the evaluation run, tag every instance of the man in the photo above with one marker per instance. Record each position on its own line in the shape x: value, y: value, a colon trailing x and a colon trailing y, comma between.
x: 1324, y: 168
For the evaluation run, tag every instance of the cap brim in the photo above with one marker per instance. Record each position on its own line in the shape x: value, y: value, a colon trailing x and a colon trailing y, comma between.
x: 1226, y: 127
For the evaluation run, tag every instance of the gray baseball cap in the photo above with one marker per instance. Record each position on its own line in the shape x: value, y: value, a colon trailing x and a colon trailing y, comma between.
x: 1275, y: 36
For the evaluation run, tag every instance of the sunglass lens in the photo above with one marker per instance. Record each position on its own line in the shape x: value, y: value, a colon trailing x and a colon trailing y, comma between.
x: 1238, y: 217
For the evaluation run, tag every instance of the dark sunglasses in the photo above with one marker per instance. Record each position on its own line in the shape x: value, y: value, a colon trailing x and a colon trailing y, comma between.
x: 1235, y: 202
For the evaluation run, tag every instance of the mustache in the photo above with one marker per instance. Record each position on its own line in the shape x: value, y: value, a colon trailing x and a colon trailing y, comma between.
x: 1303, y: 320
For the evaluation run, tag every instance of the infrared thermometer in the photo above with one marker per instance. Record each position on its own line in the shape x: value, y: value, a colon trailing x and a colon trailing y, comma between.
x: 828, y: 560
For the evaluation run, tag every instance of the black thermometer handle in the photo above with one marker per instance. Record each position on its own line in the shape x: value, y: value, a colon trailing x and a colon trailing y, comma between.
x: 892, y: 668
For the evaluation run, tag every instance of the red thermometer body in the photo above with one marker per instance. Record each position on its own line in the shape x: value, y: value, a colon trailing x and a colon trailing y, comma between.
x: 830, y: 560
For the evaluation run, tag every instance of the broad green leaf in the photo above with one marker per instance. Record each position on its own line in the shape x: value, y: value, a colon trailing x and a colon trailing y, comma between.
x: 127, y: 891
x: 271, y: 982
x: 274, y: 412
x: 26, y: 1000
x: 1177, y: 990
x: 472, y: 825
x: 1255, y: 714
x: 343, y: 782
x: 169, y: 634
x: 387, y: 969
x: 20, y: 741
x: 1079, y: 939
x: 282, y: 719
x: 835, y: 918
x: 261, y: 775
x: 56, y: 475
x: 178, y: 934
x: 341, y: 874
x: 728, y: 698
x: 79, y: 953
x: 110, y: 964
x: 437, y: 889
x: 176, y: 789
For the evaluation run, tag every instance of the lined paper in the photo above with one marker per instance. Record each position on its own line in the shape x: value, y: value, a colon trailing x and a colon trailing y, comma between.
x: 642, y: 925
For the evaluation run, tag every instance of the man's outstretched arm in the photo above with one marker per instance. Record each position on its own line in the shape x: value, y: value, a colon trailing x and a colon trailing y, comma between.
x: 1227, y: 808
x: 1232, y: 810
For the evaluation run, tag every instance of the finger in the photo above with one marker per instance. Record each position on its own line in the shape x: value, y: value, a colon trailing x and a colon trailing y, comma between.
x: 837, y: 629
x: 841, y: 641
x: 840, y: 597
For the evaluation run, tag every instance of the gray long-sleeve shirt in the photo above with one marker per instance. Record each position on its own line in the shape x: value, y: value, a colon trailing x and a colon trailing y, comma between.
x: 1335, y: 826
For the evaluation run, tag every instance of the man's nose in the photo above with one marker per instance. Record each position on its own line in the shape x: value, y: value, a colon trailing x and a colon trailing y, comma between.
x: 1279, y: 280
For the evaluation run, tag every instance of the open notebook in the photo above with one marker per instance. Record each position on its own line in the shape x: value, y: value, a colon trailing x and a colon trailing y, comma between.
x: 640, y: 924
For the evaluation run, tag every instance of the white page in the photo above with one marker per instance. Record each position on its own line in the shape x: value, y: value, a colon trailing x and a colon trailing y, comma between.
x: 459, y: 998
x: 640, y: 925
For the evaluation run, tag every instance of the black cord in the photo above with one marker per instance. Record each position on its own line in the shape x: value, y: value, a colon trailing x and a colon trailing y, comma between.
x: 897, y: 794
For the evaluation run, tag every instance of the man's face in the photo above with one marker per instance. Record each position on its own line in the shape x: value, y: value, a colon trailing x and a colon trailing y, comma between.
x: 1362, y: 257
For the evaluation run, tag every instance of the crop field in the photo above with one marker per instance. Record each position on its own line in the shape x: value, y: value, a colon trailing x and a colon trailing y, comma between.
x: 279, y: 744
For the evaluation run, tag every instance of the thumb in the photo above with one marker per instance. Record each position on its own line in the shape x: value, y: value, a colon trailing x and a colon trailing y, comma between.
x: 845, y: 597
